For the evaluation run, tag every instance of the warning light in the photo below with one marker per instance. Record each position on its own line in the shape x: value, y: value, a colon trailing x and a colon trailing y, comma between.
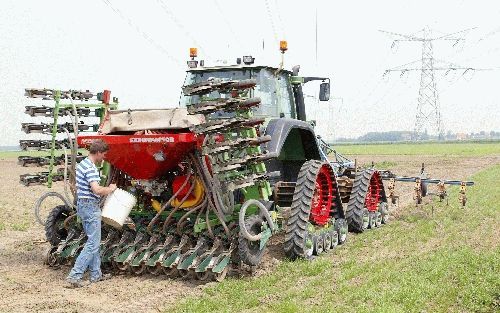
x: 193, y: 52
x: 283, y: 46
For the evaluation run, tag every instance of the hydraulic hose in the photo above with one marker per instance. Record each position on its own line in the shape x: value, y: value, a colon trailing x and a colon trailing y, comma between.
x: 208, y: 186
x: 66, y: 194
x: 241, y: 220
x: 207, y: 220
x: 219, y: 204
x: 163, y: 207
x: 169, y: 217
x: 38, y: 203
x: 191, y: 211
x: 73, y: 165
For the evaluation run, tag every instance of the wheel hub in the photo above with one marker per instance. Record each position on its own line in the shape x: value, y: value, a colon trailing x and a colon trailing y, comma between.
x: 373, y: 194
x: 322, y: 198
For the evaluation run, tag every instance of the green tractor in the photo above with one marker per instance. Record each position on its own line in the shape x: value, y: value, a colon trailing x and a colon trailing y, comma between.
x: 214, y: 179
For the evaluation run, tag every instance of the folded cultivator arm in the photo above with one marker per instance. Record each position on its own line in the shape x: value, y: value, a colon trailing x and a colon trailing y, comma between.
x: 73, y: 104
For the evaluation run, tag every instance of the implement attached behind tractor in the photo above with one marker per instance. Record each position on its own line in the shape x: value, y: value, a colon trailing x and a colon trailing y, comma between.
x: 214, y: 179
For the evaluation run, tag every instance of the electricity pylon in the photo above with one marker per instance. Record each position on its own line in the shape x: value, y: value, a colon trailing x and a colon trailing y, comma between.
x: 428, y: 108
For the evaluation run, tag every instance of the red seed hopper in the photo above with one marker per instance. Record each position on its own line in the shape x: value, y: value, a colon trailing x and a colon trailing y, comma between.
x: 144, y: 156
x: 139, y: 151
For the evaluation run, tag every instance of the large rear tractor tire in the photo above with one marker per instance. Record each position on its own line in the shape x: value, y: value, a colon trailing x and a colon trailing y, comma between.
x: 54, y: 226
x: 311, y: 208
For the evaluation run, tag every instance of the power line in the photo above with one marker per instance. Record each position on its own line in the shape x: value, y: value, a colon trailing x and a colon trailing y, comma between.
x: 136, y: 28
x: 226, y: 21
x: 271, y: 20
x: 280, y: 21
x: 180, y: 26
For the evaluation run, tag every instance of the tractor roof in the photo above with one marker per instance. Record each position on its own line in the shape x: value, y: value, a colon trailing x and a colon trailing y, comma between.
x: 233, y: 67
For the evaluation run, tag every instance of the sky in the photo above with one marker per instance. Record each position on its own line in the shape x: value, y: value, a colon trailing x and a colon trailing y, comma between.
x: 138, y: 50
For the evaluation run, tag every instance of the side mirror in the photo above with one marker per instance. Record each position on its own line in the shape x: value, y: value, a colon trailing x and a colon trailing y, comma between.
x: 324, y: 91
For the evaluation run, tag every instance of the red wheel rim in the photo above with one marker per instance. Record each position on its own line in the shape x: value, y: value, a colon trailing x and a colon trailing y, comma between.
x: 373, y: 193
x: 321, y: 205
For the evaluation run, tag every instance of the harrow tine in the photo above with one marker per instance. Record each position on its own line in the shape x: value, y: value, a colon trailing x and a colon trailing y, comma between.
x: 46, y: 111
x: 220, y: 264
x: 239, y: 143
x: 38, y: 178
x: 172, y: 256
x: 226, y: 104
x: 24, y: 160
x: 128, y: 251
x: 227, y: 125
x: 158, y: 254
x: 49, y: 94
x: 142, y: 254
x: 211, y: 85
x: 186, y: 259
x: 42, y: 144
x: 45, y: 94
x: 205, y: 260
x: 29, y: 128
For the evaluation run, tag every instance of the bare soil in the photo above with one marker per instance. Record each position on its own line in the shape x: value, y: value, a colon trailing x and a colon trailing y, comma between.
x: 27, y: 285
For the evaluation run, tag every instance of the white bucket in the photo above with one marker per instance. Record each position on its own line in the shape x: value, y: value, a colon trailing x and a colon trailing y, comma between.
x: 117, y: 207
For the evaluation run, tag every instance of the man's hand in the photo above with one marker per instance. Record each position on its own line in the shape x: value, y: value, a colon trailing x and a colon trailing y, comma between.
x: 100, y: 190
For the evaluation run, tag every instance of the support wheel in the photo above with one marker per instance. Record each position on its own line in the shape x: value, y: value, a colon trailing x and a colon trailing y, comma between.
x: 171, y: 272
x: 54, y: 226
x: 184, y: 274
x: 106, y: 267
x: 155, y: 270
x: 335, y: 238
x: 202, y: 276
x: 327, y: 241
x: 378, y: 219
x: 318, y: 244
x: 249, y: 251
x: 373, y: 219
x: 51, y: 259
x: 138, y: 270
x: 341, y: 228
x: 384, y: 212
x: 222, y: 275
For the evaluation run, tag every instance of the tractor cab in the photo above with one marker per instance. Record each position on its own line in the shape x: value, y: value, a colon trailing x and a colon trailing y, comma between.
x: 273, y: 87
x: 280, y: 90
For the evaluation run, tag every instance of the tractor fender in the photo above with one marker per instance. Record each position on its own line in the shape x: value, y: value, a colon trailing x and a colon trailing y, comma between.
x: 293, y: 142
x: 279, y: 129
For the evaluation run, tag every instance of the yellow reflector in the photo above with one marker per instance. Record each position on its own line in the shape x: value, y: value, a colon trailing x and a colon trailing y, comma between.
x: 283, y: 45
x: 193, y: 52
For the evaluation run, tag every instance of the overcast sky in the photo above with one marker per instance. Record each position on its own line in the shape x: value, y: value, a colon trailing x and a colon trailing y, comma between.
x: 138, y: 50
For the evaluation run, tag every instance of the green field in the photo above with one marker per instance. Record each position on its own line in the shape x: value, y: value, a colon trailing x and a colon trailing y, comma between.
x: 445, y: 149
x: 34, y: 153
x: 444, y: 260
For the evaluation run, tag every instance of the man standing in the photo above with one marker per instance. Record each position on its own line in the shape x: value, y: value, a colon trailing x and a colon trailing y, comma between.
x: 87, y: 208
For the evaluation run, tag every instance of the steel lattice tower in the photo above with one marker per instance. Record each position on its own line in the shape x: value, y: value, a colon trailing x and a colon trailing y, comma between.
x: 428, y: 112
x: 428, y: 108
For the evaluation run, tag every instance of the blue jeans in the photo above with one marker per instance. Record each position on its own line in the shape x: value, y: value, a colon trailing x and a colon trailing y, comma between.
x: 90, y: 214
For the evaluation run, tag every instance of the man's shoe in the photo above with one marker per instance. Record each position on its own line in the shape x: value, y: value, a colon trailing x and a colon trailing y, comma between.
x: 103, y: 277
x: 75, y: 283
